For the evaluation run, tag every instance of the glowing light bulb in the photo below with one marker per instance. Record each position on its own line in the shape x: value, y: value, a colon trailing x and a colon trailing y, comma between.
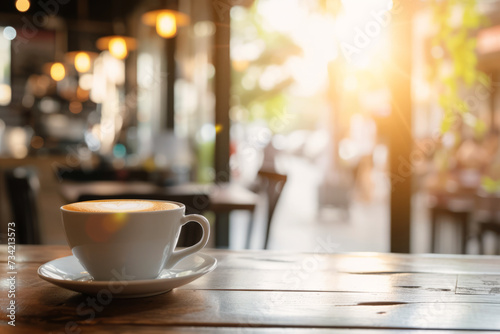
x: 57, y: 71
x: 82, y: 62
x: 22, y: 5
x: 166, y: 25
x: 118, y: 48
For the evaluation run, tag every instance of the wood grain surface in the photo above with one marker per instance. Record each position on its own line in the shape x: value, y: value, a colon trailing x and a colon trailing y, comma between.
x: 271, y: 292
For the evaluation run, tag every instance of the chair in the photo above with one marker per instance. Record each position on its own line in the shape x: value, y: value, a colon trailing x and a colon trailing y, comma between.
x: 490, y: 222
x: 195, y: 204
x: 271, y: 185
x: 22, y: 187
x: 224, y: 199
x: 486, y: 227
x: 458, y: 207
x: 101, y: 174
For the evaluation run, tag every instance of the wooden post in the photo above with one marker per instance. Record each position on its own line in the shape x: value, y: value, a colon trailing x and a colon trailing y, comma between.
x: 171, y: 75
x: 170, y: 67
x: 222, y: 65
x: 400, y: 134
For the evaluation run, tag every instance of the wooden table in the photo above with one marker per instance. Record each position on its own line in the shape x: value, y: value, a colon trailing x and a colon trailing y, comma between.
x: 271, y: 292
x: 224, y: 197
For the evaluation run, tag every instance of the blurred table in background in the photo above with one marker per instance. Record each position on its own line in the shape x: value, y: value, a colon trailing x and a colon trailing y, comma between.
x: 223, y: 197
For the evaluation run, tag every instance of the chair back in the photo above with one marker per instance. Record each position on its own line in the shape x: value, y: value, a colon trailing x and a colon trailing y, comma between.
x: 101, y: 174
x: 272, y: 184
x: 22, y: 187
x: 489, y: 221
x: 191, y: 233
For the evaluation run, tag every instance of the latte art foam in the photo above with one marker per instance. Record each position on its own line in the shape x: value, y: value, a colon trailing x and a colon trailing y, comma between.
x: 120, y: 206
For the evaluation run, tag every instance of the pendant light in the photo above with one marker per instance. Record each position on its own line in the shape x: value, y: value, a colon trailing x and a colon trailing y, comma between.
x: 56, y: 70
x: 23, y: 5
x: 118, y: 45
x: 82, y: 60
x: 166, y: 21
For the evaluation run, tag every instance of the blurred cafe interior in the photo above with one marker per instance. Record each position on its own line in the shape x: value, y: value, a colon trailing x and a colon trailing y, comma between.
x: 304, y: 125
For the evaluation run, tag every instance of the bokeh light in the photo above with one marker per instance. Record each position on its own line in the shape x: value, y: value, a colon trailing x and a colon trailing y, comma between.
x: 119, y: 151
x: 85, y: 81
x: 37, y: 142
x: 23, y: 5
x: 57, y: 71
x: 9, y: 33
x: 82, y: 62
x: 75, y: 107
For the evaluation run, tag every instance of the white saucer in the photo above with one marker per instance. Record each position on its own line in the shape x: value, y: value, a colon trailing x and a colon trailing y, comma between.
x: 68, y: 273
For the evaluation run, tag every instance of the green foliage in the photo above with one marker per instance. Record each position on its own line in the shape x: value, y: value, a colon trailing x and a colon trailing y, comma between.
x: 458, y: 42
x: 277, y: 48
x: 205, y: 154
x: 490, y: 185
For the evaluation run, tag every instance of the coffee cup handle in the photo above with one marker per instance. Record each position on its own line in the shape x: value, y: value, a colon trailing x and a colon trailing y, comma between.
x: 179, y: 255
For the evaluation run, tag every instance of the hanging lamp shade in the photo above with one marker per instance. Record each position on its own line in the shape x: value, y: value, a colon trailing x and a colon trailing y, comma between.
x: 119, y: 46
x: 166, y: 21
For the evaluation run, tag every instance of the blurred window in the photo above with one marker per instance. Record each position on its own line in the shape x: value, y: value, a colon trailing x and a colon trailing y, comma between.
x: 6, y: 35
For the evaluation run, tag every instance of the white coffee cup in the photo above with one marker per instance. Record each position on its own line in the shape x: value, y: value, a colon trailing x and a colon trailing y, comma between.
x: 128, y: 239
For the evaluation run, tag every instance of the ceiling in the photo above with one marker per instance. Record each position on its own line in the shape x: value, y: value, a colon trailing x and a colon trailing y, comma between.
x: 93, y: 10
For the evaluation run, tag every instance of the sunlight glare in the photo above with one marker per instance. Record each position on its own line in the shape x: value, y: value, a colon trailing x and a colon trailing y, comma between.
x: 317, y: 39
x: 362, y: 34
x: 247, y: 51
x: 350, y: 83
x: 251, y: 77
x: 367, y: 5
x: 274, y: 16
x: 272, y: 76
x: 309, y: 76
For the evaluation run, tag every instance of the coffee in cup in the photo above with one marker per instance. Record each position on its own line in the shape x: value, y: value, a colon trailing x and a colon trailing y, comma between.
x: 128, y: 239
x: 121, y: 205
